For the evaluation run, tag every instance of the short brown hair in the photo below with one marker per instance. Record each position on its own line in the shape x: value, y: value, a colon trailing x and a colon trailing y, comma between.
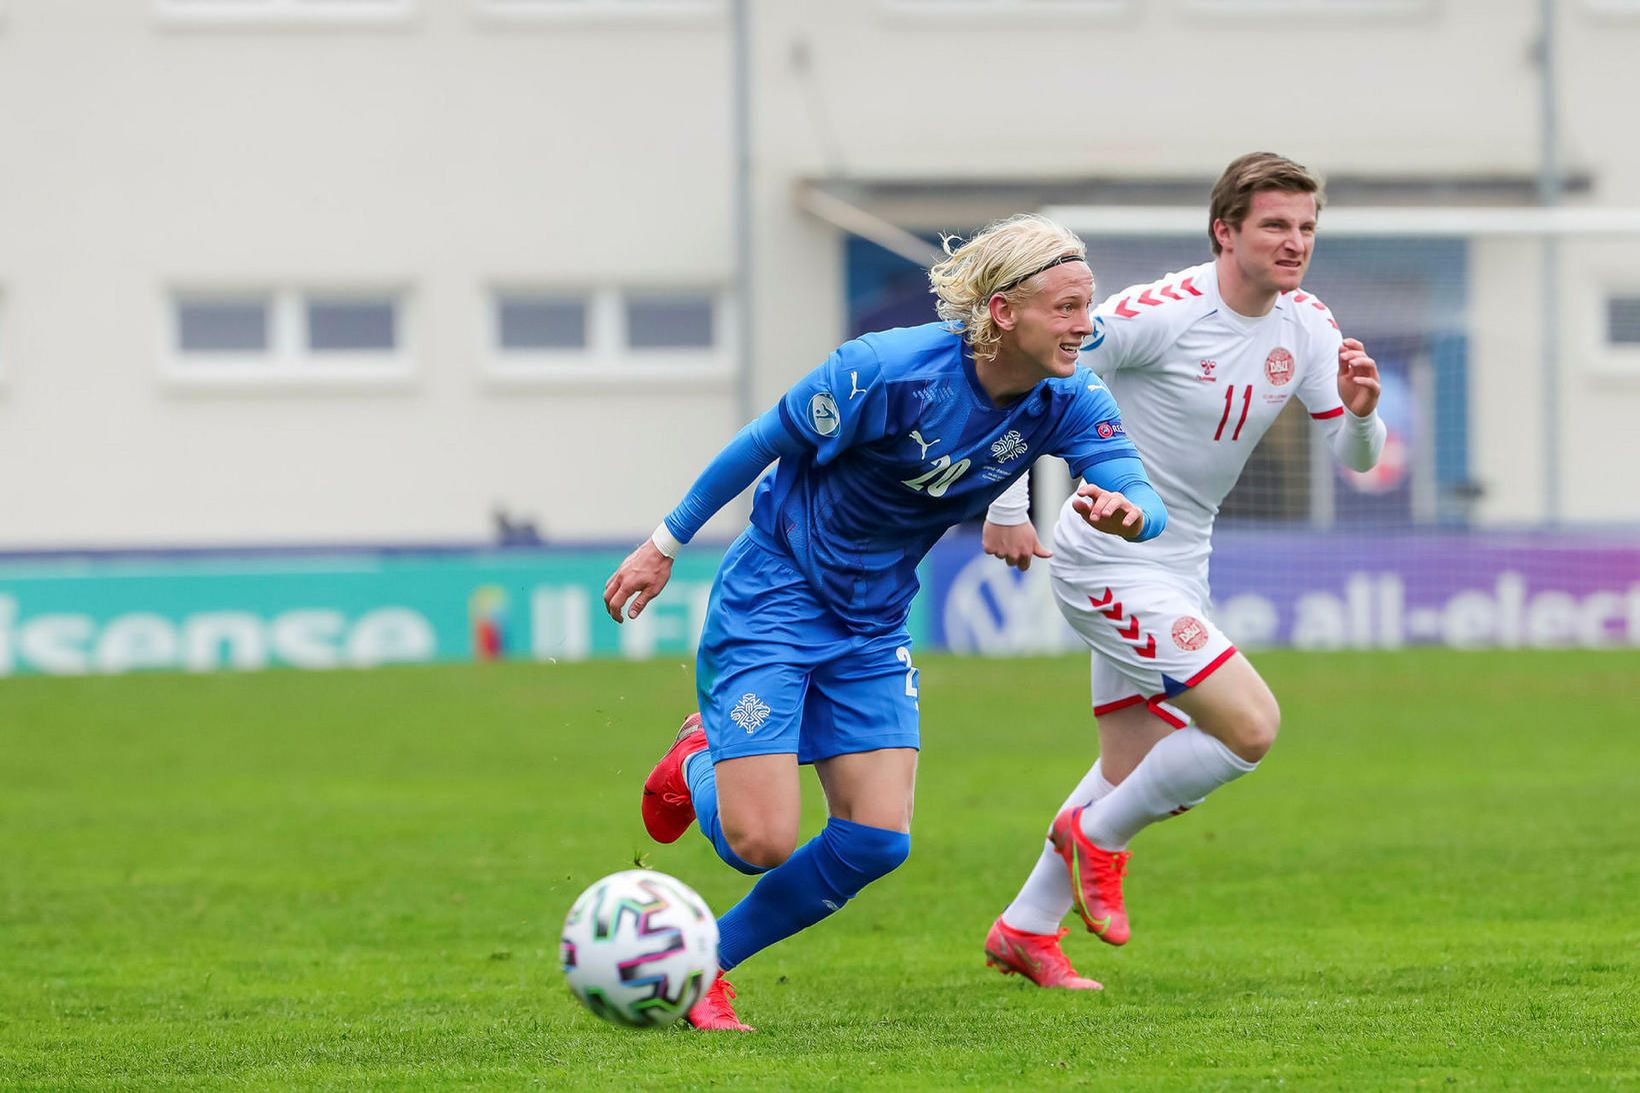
x: 1246, y: 176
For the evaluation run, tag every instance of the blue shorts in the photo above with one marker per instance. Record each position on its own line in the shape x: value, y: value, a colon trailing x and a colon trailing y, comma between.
x: 778, y: 673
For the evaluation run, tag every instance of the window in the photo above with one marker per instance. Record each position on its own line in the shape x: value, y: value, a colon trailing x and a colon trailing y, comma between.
x: 1623, y: 321
x: 540, y: 323
x: 557, y: 333
x: 352, y: 326
x: 222, y: 326
x: 669, y: 322
x: 275, y: 337
x: 319, y: 12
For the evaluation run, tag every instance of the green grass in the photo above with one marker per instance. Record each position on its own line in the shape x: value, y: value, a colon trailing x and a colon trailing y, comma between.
x: 355, y: 880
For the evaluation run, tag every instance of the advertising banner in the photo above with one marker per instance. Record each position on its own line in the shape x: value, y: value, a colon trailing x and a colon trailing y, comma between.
x: 1336, y: 591
x: 200, y: 613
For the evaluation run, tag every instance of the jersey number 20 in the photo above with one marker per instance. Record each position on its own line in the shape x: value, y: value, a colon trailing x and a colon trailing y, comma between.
x: 938, y: 479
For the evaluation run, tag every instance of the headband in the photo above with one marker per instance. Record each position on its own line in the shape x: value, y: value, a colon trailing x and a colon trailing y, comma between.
x: 1017, y: 281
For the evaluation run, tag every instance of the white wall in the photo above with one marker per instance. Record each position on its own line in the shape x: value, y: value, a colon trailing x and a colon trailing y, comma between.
x: 447, y: 151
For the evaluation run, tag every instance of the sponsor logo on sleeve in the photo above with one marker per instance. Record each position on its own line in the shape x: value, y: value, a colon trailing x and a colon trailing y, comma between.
x: 823, y: 414
x: 1108, y: 429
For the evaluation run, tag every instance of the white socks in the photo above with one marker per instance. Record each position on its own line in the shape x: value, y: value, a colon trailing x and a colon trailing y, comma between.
x: 1178, y: 773
x: 1046, y: 895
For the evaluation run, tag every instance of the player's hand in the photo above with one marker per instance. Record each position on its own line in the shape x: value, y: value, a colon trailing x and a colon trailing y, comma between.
x: 1357, y: 378
x: 645, y: 572
x: 1109, y: 512
x: 1015, y: 544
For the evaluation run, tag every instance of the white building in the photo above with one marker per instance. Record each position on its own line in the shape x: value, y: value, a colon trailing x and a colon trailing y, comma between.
x: 334, y: 271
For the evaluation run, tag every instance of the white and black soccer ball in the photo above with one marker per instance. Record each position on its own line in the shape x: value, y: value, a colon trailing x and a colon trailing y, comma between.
x: 639, y: 948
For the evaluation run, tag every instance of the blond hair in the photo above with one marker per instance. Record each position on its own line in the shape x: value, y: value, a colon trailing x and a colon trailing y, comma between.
x: 1250, y: 174
x: 1005, y: 257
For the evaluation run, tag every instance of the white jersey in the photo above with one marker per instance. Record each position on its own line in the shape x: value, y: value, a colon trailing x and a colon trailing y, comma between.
x: 1198, y: 386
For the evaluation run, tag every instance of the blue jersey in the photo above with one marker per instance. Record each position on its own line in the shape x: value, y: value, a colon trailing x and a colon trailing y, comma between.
x: 897, y: 441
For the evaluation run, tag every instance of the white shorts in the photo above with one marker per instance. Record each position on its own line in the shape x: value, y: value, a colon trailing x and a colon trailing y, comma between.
x: 1151, y: 640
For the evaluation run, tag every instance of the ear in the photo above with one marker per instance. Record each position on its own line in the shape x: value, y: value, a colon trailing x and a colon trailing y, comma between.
x: 1002, y: 312
x: 1223, y: 233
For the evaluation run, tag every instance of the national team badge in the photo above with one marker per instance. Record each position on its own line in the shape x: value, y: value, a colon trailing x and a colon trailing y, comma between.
x: 1278, y: 367
x: 750, y: 713
x: 1010, y: 447
x: 1189, y: 633
x: 823, y: 414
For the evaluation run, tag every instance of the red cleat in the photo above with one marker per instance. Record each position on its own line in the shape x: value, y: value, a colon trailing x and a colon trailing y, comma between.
x: 715, y: 1010
x: 1037, y: 957
x: 667, y: 809
x: 1096, y: 877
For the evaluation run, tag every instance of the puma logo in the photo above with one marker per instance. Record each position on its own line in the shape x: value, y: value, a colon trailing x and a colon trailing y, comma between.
x: 854, y: 382
x: 923, y: 444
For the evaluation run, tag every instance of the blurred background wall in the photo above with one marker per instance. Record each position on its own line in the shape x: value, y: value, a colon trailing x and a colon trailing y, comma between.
x: 363, y: 271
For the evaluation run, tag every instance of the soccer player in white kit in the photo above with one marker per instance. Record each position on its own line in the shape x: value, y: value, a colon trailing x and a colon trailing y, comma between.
x: 1201, y: 362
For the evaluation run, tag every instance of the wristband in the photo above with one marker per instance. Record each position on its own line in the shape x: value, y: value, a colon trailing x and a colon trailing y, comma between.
x: 665, y: 541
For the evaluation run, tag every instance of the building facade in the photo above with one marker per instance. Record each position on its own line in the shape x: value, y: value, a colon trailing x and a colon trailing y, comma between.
x: 430, y: 271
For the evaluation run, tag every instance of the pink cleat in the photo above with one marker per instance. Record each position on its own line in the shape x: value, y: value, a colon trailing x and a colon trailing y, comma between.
x: 715, y: 1010
x: 1096, y: 877
x: 1037, y: 957
x: 667, y: 809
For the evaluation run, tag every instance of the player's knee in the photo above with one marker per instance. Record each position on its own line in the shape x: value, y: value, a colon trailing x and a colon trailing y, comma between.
x: 864, y: 854
x: 1254, y: 731
x: 761, y: 850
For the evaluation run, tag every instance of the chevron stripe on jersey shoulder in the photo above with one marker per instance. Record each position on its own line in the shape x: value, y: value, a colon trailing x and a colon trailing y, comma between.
x: 1142, y: 299
x: 1302, y: 300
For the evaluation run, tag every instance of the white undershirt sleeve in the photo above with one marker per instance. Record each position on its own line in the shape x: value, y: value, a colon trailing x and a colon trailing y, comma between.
x: 1356, y: 441
x: 1014, y: 506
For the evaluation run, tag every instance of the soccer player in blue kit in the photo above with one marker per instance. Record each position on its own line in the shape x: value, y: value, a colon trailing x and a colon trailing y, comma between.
x: 805, y: 656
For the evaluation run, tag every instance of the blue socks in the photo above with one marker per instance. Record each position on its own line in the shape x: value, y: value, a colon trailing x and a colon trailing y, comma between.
x: 825, y: 873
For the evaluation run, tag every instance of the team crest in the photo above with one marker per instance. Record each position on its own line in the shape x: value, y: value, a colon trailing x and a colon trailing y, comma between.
x: 1189, y: 633
x: 823, y: 414
x: 1098, y: 336
x: 1010, y: 447
x: 750, y: 713
x: 1278, y: 367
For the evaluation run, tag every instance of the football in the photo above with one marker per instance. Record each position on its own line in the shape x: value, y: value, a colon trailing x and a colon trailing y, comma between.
x: 639, y: 948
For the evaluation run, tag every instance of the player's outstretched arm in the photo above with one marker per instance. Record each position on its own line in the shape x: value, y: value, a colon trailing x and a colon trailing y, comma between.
x: 1118, y: 499
x: 646, y: 570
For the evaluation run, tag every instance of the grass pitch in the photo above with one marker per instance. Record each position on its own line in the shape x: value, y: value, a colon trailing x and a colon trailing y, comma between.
x: 350, y: 880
